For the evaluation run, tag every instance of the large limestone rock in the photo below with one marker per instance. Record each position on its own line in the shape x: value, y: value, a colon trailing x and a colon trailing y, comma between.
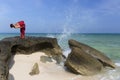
x: 82, y: 63
x: 10, y: 46
x: 86, y: 60
x: 93, y: 52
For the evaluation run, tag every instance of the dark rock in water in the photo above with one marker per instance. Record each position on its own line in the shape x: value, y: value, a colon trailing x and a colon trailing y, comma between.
x: 10, y: 46
x: 93, y: 52
x: 35, y: 69
x: 82, y: 63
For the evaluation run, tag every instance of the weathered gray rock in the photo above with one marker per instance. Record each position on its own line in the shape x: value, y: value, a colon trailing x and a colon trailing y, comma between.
x: 93, y: 52
x: 12, y: 45
x: 35, y: 70
x: 45, y: 59
x: 4, y: 56
x: 82, y: 63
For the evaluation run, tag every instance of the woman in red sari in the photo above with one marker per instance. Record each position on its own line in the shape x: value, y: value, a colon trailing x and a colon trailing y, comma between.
x: 21, y: 25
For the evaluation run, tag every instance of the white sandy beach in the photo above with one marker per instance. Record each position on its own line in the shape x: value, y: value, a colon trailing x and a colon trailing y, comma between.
x: 21, y: 65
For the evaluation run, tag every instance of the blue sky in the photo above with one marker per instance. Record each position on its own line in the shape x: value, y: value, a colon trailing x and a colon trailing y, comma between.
x: 56, y: 16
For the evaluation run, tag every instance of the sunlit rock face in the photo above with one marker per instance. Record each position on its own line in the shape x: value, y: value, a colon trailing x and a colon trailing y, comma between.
x: 86, y: 60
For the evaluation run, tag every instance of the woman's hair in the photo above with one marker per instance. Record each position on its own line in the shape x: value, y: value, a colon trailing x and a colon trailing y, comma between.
x: 12, y: 26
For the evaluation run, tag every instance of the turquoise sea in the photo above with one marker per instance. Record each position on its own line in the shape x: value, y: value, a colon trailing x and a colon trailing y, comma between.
x: 109, y: 44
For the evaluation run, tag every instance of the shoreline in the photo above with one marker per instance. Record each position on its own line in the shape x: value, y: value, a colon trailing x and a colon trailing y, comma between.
x: 21, y: 65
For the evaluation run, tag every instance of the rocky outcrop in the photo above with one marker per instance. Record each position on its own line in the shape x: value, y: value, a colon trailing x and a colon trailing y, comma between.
x: 81, y: 63
x: 86, y: 60
x: 93, y: 52
x: 35, y: 70
x: 45, y: 59
x: 12, y: 45
x: 83, y: 59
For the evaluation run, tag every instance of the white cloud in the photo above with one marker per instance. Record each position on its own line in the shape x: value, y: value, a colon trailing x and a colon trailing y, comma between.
x: 109, y: 7
x: 100, y: 17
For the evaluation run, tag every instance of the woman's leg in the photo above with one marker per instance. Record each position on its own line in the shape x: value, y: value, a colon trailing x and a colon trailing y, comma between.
x: 22, y: 33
